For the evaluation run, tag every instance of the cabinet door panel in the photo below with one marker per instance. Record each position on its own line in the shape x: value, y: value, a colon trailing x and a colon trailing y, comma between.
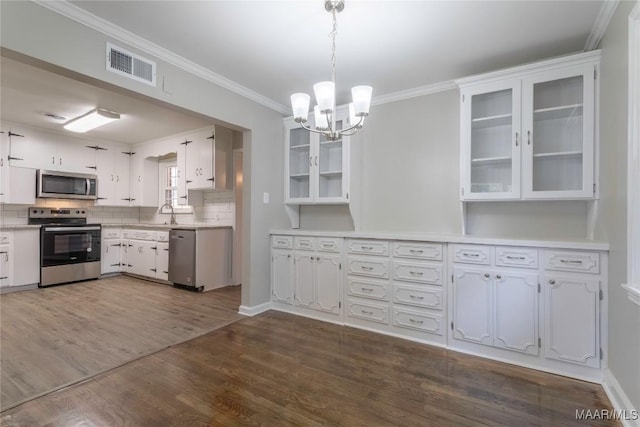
x: 162, y: 261
x: 516, y: 312
x: 298, y: 163
x: 6, y: 266
x: 328, y: 283
x: 491, y: 141
x: 304, y: 283
x: 111, y: 255
x: 282, y: 276
x: 121, y: 179
x: 558, y: 117
x: 472, y: 305
x: 572, y: 313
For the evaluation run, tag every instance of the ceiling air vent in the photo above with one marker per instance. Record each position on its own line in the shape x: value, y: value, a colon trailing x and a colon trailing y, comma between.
x: 130, y: 65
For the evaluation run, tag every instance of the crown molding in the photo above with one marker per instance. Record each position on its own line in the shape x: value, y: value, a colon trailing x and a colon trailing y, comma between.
x: 105, y: 27
x: 600, y: 25
x: 415, y: 92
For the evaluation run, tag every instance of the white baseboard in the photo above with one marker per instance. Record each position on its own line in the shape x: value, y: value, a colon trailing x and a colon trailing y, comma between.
x: 254, y: 310
x: 619, y: 399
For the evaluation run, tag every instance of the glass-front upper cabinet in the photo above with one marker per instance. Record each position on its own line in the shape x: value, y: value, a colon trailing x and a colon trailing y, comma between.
x: 558, y: 112
x: 530, y: 134
x: 316, y: 168
x: 491, y: 141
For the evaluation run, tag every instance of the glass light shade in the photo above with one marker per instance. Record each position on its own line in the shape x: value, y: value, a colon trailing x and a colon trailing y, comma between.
x: 300, y: 106
x: 321, y: 118
x: 361, y: 99
x: 353, y: 119
x: 91, y: 120
x: 325, y: 96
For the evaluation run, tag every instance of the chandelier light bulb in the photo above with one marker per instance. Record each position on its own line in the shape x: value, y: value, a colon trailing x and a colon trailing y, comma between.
x: 325, y: 96
x: 361, y: 99
x: 300, y: 106
x: 321, y: 118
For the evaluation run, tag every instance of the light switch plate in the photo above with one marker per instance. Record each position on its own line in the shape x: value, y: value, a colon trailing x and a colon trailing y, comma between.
x: 265, y: 198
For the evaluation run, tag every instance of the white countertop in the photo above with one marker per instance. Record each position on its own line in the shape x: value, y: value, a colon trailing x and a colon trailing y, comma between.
x: 166, y: 226
x: 451, y: 238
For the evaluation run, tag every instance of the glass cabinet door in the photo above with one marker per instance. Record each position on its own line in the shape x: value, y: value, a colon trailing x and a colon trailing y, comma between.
x: 330, y: 164
x: 299, y: 167
x: 491, y: 132
x: 558, y: 112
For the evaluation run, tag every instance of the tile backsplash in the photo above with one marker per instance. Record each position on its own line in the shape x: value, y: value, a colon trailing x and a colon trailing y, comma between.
x: 217, y: 208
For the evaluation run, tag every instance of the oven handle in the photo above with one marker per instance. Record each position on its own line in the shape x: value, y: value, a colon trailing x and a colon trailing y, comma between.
x: 86, y: 193
x: 88, y: 228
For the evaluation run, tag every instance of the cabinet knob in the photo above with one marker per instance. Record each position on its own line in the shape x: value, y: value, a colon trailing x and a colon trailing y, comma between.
x: 552, y: 282
x: 487, y: 275
x: 498, y: 277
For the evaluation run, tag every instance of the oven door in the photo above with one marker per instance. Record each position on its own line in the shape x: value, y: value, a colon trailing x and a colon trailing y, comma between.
x: 62, y: 245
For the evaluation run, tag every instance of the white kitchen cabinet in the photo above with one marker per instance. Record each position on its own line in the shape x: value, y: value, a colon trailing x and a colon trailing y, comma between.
x: 305, y: 280
x: 112, y: 252
x: 316, y: 169
x: 282, y: 276
x: 19, y: 259
x: 496, y: 307
x: 162, y: 261
x: 328, y: 281
x: 17, y: 184
x: 572, y: 321
x: 112, y: 168
x: 143, y: 181
x: 6, y: 264
x: 140, y: 253
x: 528, y: 133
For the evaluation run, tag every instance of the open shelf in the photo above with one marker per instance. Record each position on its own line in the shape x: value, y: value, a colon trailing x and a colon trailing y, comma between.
x: 331, y: 173
x: 559, y: 112
x: 490, y: 160
x: 331, y: 144
x: 491, y: 121
x: 300, y: 147
x: 299, y: 176
x: 559, y: 154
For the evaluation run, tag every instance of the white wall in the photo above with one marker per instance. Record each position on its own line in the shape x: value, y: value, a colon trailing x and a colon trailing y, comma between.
x: 36, y: 32
x: 624, y: 317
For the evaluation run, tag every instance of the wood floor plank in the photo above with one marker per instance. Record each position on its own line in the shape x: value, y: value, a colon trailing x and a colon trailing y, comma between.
x: 59, y: 335
x: 277, y: 369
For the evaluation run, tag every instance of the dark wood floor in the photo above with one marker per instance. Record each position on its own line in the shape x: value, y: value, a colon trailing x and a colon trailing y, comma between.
x: 278, y: 369
x: 56, y: 336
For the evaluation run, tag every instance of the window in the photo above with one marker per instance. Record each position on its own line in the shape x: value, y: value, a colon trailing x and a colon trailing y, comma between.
x: 633, y: 216
x: 170, y: 185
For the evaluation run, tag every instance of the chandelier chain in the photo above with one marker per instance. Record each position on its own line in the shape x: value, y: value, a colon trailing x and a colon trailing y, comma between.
x: 333, y: 34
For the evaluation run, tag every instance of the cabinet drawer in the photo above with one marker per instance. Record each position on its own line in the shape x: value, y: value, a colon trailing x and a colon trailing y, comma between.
x: 110, y: 233
x: 586, y: 262
x: 367, y: 288
x: 369, y: 311
x: 368, y: 247
x: 415, y: 272
x: 282, y: 242
x: 430, y: 251
x: 516, y: 257
x: 472, y: 254
x: 329, y: 244
x: 163, y: 236
x: 371, y: 267
x: 420, y: 296
x: 5, y: 238
x: 140, y: 234
x: 421, y: 321
x: 304, y: 243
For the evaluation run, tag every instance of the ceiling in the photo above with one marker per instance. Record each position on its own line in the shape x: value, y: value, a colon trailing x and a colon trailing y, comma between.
x: 276, y: 48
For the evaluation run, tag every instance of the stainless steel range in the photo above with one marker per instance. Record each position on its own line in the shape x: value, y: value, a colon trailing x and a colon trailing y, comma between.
x: 69, y: 247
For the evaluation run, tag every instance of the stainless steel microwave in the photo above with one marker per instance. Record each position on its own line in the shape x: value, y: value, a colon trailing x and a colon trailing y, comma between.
x: 64, y: 185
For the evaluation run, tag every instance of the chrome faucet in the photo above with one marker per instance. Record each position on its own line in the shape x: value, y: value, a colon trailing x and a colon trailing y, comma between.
x: 173, y: 215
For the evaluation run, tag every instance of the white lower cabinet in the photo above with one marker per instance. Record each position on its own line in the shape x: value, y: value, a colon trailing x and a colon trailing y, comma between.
x: 19, y: 259
x: 162, y: 261
x: 307, y: 275
x: 531, y: 306
x: 572, y: 323
x: 497, y: 308
x: 111, y: 256
x: 146, y: 253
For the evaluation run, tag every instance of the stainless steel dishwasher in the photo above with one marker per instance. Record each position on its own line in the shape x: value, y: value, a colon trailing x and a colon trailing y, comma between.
x: 182, y: 257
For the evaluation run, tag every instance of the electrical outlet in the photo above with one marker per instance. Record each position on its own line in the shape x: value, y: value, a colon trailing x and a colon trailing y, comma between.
x: 265, y: 198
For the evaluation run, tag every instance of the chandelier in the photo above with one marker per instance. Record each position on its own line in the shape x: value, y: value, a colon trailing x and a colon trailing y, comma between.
x: 325, y: 94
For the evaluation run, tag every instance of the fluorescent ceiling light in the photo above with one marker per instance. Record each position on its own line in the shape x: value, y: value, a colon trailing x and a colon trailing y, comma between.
x: 91, y: 120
